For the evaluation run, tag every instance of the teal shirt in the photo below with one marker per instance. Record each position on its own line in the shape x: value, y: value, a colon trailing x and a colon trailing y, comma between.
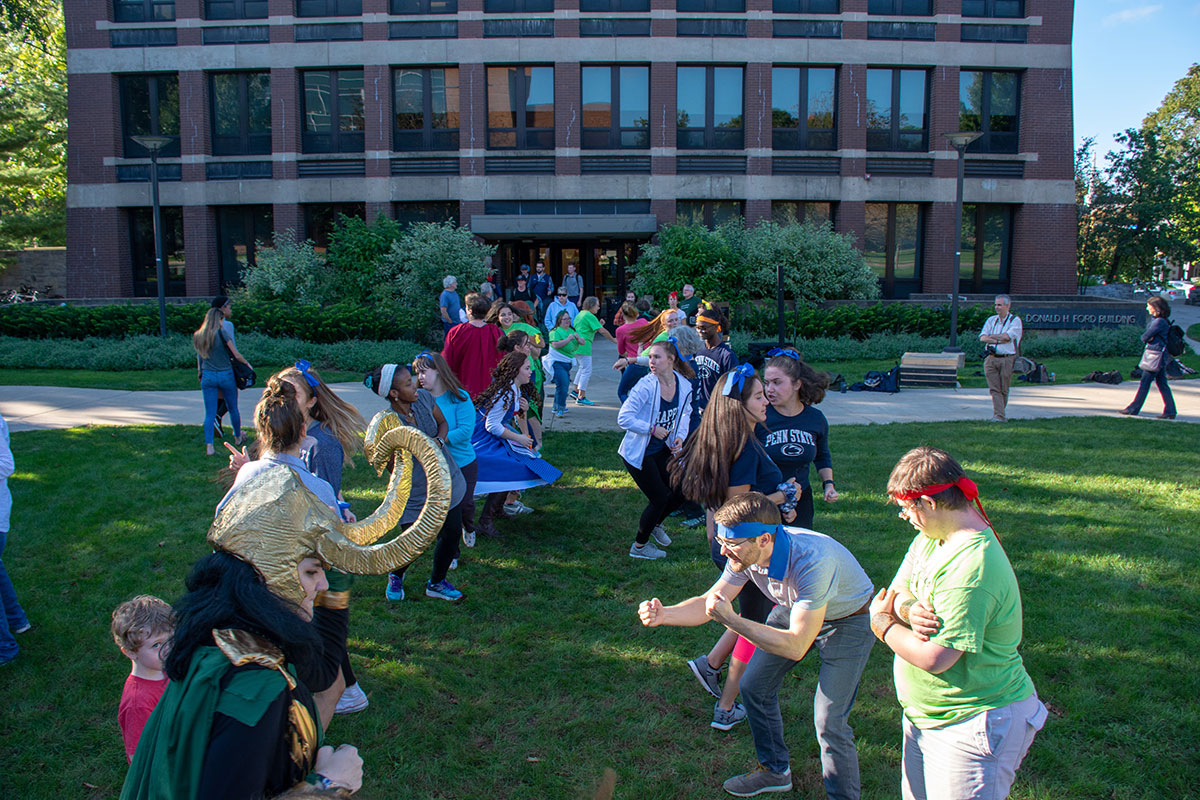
x: 460, y: 419
x: 972, y: 588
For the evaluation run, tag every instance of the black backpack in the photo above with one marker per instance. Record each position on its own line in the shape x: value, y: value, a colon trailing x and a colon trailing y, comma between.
x: 876, y: 381
x: 1039, y: 374
x: 1175, y: 344
x: 1111, y: 377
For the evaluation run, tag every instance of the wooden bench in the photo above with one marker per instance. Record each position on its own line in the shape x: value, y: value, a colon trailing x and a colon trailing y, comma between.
x: 930, y: 370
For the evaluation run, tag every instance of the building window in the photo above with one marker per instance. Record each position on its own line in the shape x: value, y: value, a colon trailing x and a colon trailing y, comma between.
x: 408, y: 213
x: 988, y: 102
x: 423, y: 6
x: 321, y: 219
x: 241, y: 113
x: 141, y: 251
x: 892, y: 246
x: 616, y: 107
x: 333, y: 113
x: 896, y: 109
x: 1013, y: 9
x: 806, y: 6
x: 143, y: 10
x: 986, y: 248
x: 613, y: 5
x: 795, y: 212
x: 328, y: 8
x: 709, y: 108
x: 901, y: 8
x: 239, y: 231
x: 149, y: 106
x: 235, y: 9
x: 520, y: 108
x: 425, y: 102
x: 711, y: 6
x: 803, y: 101
x: 517, y: 6
x: 709, y: 213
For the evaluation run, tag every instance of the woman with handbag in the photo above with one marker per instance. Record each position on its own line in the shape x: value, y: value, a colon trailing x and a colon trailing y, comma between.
x: 1154, y: 360
x: 215, y: 354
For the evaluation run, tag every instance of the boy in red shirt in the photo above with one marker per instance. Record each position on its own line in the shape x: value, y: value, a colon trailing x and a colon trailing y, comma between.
x: 141, y: 627
x: 470, y: 348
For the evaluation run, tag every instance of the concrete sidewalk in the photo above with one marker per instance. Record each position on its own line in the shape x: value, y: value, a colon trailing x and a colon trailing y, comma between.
x: 39, y: 407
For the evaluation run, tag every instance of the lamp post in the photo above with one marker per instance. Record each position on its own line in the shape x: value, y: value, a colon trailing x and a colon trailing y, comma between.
x: 960, y: 140
x: 154, y: 144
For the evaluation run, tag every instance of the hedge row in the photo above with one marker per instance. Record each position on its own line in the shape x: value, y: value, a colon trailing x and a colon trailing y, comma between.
x: 321, y: 324
x: 152, y: 352
x: 859, y: 322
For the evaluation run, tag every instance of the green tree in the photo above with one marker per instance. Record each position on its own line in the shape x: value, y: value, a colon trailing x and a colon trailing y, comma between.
x: 33, y: 131
x: 1092, y: 192
x: 27, y: 20
x: 692, y: 254
x: 1176, y: 123
x: 355, y: 248
x: 1135, y: 216
x: 818, y: 264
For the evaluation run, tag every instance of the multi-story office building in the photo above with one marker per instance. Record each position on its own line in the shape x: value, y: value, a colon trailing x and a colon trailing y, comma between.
x: 570, y: 130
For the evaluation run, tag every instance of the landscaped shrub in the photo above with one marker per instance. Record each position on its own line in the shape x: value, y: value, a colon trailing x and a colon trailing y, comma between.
x: 859, y: 322
x: 355, y: 250
x: 692, y: 254
x: 289, y: 270
x: 176, y: 351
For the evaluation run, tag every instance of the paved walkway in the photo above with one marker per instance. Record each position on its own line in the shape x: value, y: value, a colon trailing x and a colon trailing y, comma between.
x: 33, y: 407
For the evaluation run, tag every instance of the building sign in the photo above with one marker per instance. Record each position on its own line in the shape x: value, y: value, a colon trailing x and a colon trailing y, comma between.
x: 1081, y: 315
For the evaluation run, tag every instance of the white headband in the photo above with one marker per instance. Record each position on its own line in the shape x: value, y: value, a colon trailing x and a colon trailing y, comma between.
x: 385, y: 379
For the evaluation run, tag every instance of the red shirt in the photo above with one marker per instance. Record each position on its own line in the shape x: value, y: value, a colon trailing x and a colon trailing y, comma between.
x: 471, y: 352
x: 626, y: 348
x: 138, y: 699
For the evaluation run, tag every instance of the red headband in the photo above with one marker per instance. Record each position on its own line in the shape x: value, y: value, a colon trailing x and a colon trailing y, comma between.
x: 965, y: 484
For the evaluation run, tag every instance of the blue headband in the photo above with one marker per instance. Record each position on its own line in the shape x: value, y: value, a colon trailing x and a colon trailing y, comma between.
x: 419, y: 356
x: 746, y: 530
x: 779, y: 351
x: 304, y: 366
x: 737, y: 378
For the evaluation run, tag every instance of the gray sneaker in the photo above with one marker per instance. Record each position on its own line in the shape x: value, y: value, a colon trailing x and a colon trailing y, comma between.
x: 660, y: 536
x: 724, y: 720
x: 647, y: 550
x: 758, y: 781
x: 709, y: 678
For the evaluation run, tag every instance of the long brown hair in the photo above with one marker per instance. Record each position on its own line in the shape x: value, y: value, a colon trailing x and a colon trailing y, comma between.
x: 812, y: 383
x: 701, y: 472
x: 335, y: 414
x: 449, y: 381
x: 503, y: 375
x: 650, y: 332
x: 206, y: 334
x: 278, y: 418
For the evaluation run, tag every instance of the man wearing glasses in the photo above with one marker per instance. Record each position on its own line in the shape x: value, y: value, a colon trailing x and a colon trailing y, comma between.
x: 822, y: 597
x: 1001, y: 336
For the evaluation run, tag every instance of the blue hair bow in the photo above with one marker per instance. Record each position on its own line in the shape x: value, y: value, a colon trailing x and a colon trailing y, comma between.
x: 304, y: 366
x: 779, y: 351
x: 419, y: 356
x: 737, y: 379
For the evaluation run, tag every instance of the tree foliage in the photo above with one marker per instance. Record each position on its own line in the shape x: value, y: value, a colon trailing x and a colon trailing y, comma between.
x: 33, y: 128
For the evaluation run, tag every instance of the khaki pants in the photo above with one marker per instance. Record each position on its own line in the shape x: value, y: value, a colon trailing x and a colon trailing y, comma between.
x: 998, y: 371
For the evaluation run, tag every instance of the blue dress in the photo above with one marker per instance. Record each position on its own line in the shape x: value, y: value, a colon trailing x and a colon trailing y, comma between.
x: 504, y: 466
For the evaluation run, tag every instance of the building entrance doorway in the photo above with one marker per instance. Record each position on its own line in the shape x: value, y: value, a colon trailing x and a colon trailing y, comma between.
x: 606, y: 266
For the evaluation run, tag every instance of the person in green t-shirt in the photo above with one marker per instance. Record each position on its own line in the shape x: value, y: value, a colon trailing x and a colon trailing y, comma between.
x: 689, y: 303
x: 564, y: 343
x: 587, y: 325
x: 952, y: 615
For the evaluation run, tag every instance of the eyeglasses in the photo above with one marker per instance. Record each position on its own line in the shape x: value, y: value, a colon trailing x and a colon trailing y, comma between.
x: 731, y: 543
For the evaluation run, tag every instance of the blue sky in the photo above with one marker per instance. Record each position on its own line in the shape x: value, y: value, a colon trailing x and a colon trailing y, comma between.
x: 1127, y: 56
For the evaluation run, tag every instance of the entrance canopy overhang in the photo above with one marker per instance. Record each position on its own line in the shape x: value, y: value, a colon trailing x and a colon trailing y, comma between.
x: 575, y: 226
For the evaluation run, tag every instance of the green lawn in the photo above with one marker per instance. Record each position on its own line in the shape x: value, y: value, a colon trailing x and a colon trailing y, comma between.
x: 542, y: 677
x: 137, y: 380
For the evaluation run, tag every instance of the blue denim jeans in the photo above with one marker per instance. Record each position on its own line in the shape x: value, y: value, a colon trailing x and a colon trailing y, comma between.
x: 1159, y: 378
x: 212, y: 385
x: 12, y: 616
x: 632, y: 374
x: 844, y: 646
x: 562, y: 383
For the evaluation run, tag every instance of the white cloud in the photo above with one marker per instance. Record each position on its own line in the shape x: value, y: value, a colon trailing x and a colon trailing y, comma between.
x: 1131, y: 15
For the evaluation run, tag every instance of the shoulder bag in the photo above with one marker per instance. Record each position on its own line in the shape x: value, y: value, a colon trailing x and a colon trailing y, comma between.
x: 243, y: 374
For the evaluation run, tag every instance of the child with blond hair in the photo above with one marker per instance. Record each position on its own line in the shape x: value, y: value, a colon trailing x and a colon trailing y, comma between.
x: 141, y: 627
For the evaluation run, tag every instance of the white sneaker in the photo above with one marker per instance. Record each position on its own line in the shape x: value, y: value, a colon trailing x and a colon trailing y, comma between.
x: 517, y: 507
x: 660, y: 536
x: 353, y: 700
x: 647, y: 550
x: 468, y: 538
x: 454, y: 564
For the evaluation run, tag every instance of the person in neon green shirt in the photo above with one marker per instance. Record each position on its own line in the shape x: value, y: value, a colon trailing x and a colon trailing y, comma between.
x: 564, y: 342
x: 587, y: 325
x: 952, y: 615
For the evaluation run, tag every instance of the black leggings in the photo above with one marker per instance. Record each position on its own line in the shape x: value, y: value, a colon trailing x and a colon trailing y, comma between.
x: 661, y: 499
x: 804, y: 510
x: 446, y: 548
x: 470, y: 474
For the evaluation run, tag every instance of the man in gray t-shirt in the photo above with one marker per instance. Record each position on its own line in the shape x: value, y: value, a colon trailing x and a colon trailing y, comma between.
x: 823, y: 596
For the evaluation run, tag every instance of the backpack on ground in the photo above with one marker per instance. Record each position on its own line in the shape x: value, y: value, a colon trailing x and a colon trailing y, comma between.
x: 1110, y: 377
x: 1039, y: 374
x: 1175, y: 345
x: 876, y: 381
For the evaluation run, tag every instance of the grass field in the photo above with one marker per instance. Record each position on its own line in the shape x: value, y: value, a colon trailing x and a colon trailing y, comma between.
x: 542, y: 677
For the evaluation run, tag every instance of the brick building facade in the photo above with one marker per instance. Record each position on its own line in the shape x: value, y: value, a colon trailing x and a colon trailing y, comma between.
x: 570, y: 130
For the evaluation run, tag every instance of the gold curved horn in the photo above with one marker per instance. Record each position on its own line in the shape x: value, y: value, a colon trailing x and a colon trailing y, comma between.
x: 340, y: 547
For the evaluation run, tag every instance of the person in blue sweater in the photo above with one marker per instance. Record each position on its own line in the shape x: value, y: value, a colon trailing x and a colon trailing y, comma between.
x: 435, y: 376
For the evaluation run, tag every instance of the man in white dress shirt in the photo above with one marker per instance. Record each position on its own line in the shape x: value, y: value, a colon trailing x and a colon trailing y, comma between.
x: 1001, y: 336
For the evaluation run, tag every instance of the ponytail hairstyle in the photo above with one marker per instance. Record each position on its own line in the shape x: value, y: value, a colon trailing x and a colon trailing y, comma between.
x: 376, y: 378
x: 648, y: 333
x: 336, y: 415
x: 206, y: 334
x: 670, y: 347
x: 812, y: 383
x: 278, y: 418
x: 434, y: 361
x: 510, y: 341
x: 629, y: 311
x: 504, y: 375
x: 701, y: 471
x: 714, y: 315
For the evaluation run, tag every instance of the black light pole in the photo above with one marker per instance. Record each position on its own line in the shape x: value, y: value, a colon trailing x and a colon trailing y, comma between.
x: 960, y: 140
x: 779, y: 300
x: 154, y: 144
